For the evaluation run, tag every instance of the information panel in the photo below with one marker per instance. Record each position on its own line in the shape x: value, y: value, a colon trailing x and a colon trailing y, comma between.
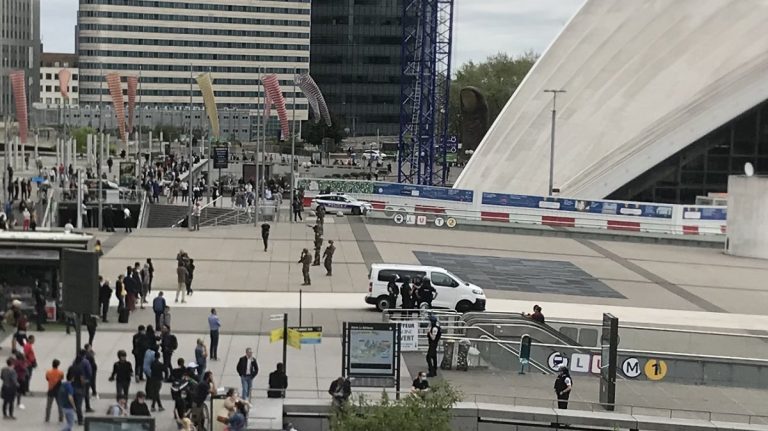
x: 220, y: 157
x: 372, y: 349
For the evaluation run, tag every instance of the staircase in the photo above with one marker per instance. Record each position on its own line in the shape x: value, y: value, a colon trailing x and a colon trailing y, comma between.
x: 164, y: 216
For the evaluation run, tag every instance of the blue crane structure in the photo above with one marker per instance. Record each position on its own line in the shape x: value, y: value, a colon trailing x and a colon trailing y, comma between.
x: 424, y: 91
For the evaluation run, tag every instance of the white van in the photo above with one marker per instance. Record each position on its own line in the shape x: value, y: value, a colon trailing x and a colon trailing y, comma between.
x: 452, y: 292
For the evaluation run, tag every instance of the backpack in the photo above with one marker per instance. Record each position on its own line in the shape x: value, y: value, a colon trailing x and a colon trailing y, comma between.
x: 174, y: 343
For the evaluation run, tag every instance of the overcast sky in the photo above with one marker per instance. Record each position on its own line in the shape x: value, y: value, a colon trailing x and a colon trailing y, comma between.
x: 482, y: 27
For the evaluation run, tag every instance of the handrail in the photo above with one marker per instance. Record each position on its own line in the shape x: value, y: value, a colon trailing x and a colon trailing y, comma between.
x: 47, y: 215
x: 201, y: 209
x: 236, y: 214
x: 662, y: 329
x: 142, y: 212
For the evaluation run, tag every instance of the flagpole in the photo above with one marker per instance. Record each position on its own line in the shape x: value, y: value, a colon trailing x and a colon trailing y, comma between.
x: 190, y: 160
x: 293, y: 145
x: 259, y: 125
x: 140, y: 119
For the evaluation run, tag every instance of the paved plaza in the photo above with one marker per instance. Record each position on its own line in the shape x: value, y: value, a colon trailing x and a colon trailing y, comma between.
x: 571, y: 278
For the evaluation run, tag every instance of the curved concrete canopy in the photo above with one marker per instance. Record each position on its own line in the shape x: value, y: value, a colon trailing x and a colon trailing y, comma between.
x: 644, y: 79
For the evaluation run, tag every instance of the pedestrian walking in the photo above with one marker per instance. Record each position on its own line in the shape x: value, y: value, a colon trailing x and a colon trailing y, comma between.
x: 90, y: 356
x: 318, y: 245
x: 298, y: 208
x: 190, y: 275
x: 139, y: 350
x: 181, y: 276
x: 305, y: 260
x: 10, y: 385
x: 563, y: 386
x: 20, y: 366
x: 144, y: 274
x: 155, y: 383
x: 105, y: 293
x: 214, y: 324
x: 127, y: 220
x: 328, y: 258
x: 91, y: 322
x: 151, y: 274
x: 167, y: 315
x: 247, y: 369
x: 265, y: 234
x: 169, y: 344
x: 122, y: 372
x: 54, y: 376
x: 158, y: 307
x: 201, y: 356
x: 66, y: 398
x: 433, y: 339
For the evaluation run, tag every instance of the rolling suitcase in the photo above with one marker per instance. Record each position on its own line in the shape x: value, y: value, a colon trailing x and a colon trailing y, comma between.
x: 123, y: 315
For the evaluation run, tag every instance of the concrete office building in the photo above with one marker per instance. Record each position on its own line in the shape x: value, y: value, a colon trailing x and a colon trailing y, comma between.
x: 19, y: 48
x: 665, y: 98
x: 51, y: 65
x: 233, y: 39
x: 356, y: 62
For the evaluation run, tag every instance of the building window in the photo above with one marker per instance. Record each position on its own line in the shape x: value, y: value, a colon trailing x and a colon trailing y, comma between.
x: 48, y: 76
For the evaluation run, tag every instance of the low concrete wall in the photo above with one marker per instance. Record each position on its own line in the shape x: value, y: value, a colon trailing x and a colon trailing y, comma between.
x: 312, y: 415
x: 747, y: 216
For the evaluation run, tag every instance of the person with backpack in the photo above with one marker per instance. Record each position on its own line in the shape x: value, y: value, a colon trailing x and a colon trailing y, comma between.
x: 120, y: 408
x: 139, y: 349
x: 169, y: 344
x: 54, y: 376
x: 155, y: 383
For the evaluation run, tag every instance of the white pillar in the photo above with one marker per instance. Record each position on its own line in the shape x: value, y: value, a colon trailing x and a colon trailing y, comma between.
x: 161, y: 139
x: 37, y: 142
x: 88, y: 147
x: 16, y: 153
x: 23, y: 153
x: 150, y: 146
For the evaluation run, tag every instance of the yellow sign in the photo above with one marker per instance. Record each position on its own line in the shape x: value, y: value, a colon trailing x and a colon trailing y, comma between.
x: 655, y: 369
x: 294, y: 337
x: 276, y: 335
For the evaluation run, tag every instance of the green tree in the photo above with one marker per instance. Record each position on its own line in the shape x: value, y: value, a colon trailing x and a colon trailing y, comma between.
x: 411, y: 413
x: 81, y: 137
x: 170, y: 132
x: 497, y: 78
x: 313, y: 133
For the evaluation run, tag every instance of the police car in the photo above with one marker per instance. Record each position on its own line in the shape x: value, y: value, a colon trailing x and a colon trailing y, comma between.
x: 336, y: 202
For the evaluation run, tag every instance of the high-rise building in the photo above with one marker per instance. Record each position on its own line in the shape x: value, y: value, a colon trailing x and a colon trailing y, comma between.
x: 355, y: 60
x: 51, y: 65
x: 236, y: 40
x: 19, y: 48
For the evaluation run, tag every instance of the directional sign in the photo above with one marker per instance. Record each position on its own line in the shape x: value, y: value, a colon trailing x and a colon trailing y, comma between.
x: 655, y: 369
x: 308, y: 334
x: 631, y: 367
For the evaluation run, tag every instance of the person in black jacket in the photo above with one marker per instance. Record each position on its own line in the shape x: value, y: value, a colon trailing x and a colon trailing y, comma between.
x: 105, y: 292
x: 340, y: 390
x: 122, y: 371
x: 155, y: 383
x: 169, y: 343
x: 139, y: 406
x: 393, y: 291
x: 247, y: 369
x: 405, y: 290
x: 426, y: 292
x: 265, y: 234
x: 139, y: 349
x: 278, y: 382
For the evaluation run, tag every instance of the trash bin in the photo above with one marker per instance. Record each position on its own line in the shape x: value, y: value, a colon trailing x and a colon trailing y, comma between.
x: 461, y: 356
x: 447, y: 362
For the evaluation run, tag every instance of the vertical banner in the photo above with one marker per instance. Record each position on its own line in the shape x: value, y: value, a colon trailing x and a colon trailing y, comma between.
x: 205, y: 82
x: 19, y: 85
x: 133, y: 84
x: 275, y: 94
x: 116, y: 91
x: 314, y: 96
x: 64, y: 78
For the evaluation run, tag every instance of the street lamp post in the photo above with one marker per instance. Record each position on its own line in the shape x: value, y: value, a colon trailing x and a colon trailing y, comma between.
x: 554, y: 92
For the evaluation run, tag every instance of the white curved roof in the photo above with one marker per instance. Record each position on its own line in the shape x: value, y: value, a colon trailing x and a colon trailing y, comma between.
x: 644, y: 79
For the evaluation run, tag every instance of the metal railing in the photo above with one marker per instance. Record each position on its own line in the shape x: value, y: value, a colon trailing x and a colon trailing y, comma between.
x: 209, y: 204
x: 142, y: 211
x: 586, y: 221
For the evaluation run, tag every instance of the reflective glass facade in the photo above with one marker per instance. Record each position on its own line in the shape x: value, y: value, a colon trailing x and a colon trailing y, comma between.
x: 355, y: 60
x: 19, y: 48
x: 704, y: 166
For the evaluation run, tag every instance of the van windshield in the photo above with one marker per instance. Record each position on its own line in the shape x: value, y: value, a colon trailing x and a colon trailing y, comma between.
x: 455, y: 277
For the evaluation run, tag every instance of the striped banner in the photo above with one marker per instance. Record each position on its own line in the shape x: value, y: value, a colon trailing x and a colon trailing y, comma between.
x: 133, y: 85
x: 19, y: 85
x: 205, y: 82
x: 314, y: 97
x: 64, y: 77
x: 275, y: 95
x: 116, y: 91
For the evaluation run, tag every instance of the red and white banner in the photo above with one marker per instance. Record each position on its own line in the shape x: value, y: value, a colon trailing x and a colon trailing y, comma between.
x: 133, y: 84
x: 116, y: 91
x: 19, y: 85
x: 275, y: 95
x: 64, y: 77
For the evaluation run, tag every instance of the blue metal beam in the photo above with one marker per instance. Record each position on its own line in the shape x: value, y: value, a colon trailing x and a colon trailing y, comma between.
x: 425, y: 87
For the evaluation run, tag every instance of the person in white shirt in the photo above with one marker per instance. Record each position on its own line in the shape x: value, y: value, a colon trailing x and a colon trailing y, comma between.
x: 127, y: 219
x: 196, y: 216
x: 68, y: 228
